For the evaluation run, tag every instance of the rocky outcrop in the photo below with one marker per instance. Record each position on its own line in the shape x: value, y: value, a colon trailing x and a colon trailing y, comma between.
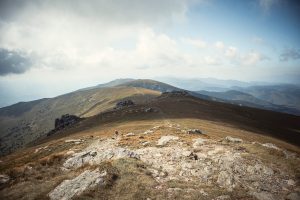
x: 124, y: 103
x: 70, y: 188
x: 63, y: 122
x: 66, y: 120
x: 175, y: 93
x: 98, y: 152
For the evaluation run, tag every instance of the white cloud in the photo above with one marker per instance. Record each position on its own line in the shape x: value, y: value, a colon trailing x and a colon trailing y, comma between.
x: 195, y: 42
x: 231, y: 52
x: 219, y: 45
x: 253, y: 58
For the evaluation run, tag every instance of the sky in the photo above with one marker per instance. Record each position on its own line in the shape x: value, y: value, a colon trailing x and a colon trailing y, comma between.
x: 50, y: 47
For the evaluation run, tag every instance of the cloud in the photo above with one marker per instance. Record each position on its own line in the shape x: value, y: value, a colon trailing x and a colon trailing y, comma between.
x: 195, y: 42
x: 290, y: 54
x: 219, y: 45
x: 253, y: 58
x: 231, y: 52
x: 13, y: 62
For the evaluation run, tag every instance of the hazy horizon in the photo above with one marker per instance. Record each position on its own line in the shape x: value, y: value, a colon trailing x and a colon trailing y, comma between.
x: 48, y: 48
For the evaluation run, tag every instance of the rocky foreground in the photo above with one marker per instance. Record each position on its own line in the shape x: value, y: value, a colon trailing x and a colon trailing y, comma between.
x: 149, y: 165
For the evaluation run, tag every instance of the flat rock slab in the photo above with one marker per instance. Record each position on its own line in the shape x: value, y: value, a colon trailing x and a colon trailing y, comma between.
x: 69, y: 188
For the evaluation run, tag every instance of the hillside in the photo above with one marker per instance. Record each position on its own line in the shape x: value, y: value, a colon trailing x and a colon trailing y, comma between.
x: 185, y: 148
x: 287, y: 95
x: 25, y: 122
x: 245, y: 99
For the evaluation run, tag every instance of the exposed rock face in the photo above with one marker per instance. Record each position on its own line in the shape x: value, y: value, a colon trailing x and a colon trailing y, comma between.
x: 69, y: 188
x: 165, y: 139
x: 124, y: 103
x: 98, y: 152
x: 63, y: 122
x: 66, y: 120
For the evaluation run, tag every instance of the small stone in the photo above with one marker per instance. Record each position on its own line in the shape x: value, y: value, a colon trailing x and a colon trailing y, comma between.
x: 129, y: 134
x: 145, y: 143
x: 234, y: 140
x: 291, y: 182
x: 194, y: 131
x: 74, y: 141
x: 187, y: 153
x: 271, y: 146
x: 4, y: 178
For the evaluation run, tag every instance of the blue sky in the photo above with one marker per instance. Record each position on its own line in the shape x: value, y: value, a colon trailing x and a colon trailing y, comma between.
x: 44, y: 43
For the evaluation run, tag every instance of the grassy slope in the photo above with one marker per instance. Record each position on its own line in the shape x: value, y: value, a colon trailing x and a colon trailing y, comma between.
x: 38, y: 117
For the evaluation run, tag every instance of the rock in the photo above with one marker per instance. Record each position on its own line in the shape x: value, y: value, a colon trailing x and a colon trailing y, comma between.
x: 165, y: 139
x: 39, y: 149
x: 203, y: 192
x: 66, y: 120
x: 124, y: 103
x: 293, y: 196
x: 4, y: 178
x: 187, y: 153
x: 289, y: 155
x: 98, y: 152
x: 271, y: 146
x: 70, y: 188
x: 263, y: 196
x: 148, y: 132
x: 225, y: 179
x: 291, y: 182
x: 145, y: 143
x: 149, y: 110
x: 234, y: 140
x: 223, y: 197
x: 70, y: 152
x: 199, y: 142
x: 194, y: 131
x: 129, y: 134
x: 74, y: 141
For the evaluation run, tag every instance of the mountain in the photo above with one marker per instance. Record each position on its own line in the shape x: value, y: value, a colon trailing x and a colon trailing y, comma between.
x: 109, y: 84
x: 151, y: 84
x: 287, y: 95
x: 208, y: 84
x: 245, y: 99
x: 24, y: 122
x: 170, y: 146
